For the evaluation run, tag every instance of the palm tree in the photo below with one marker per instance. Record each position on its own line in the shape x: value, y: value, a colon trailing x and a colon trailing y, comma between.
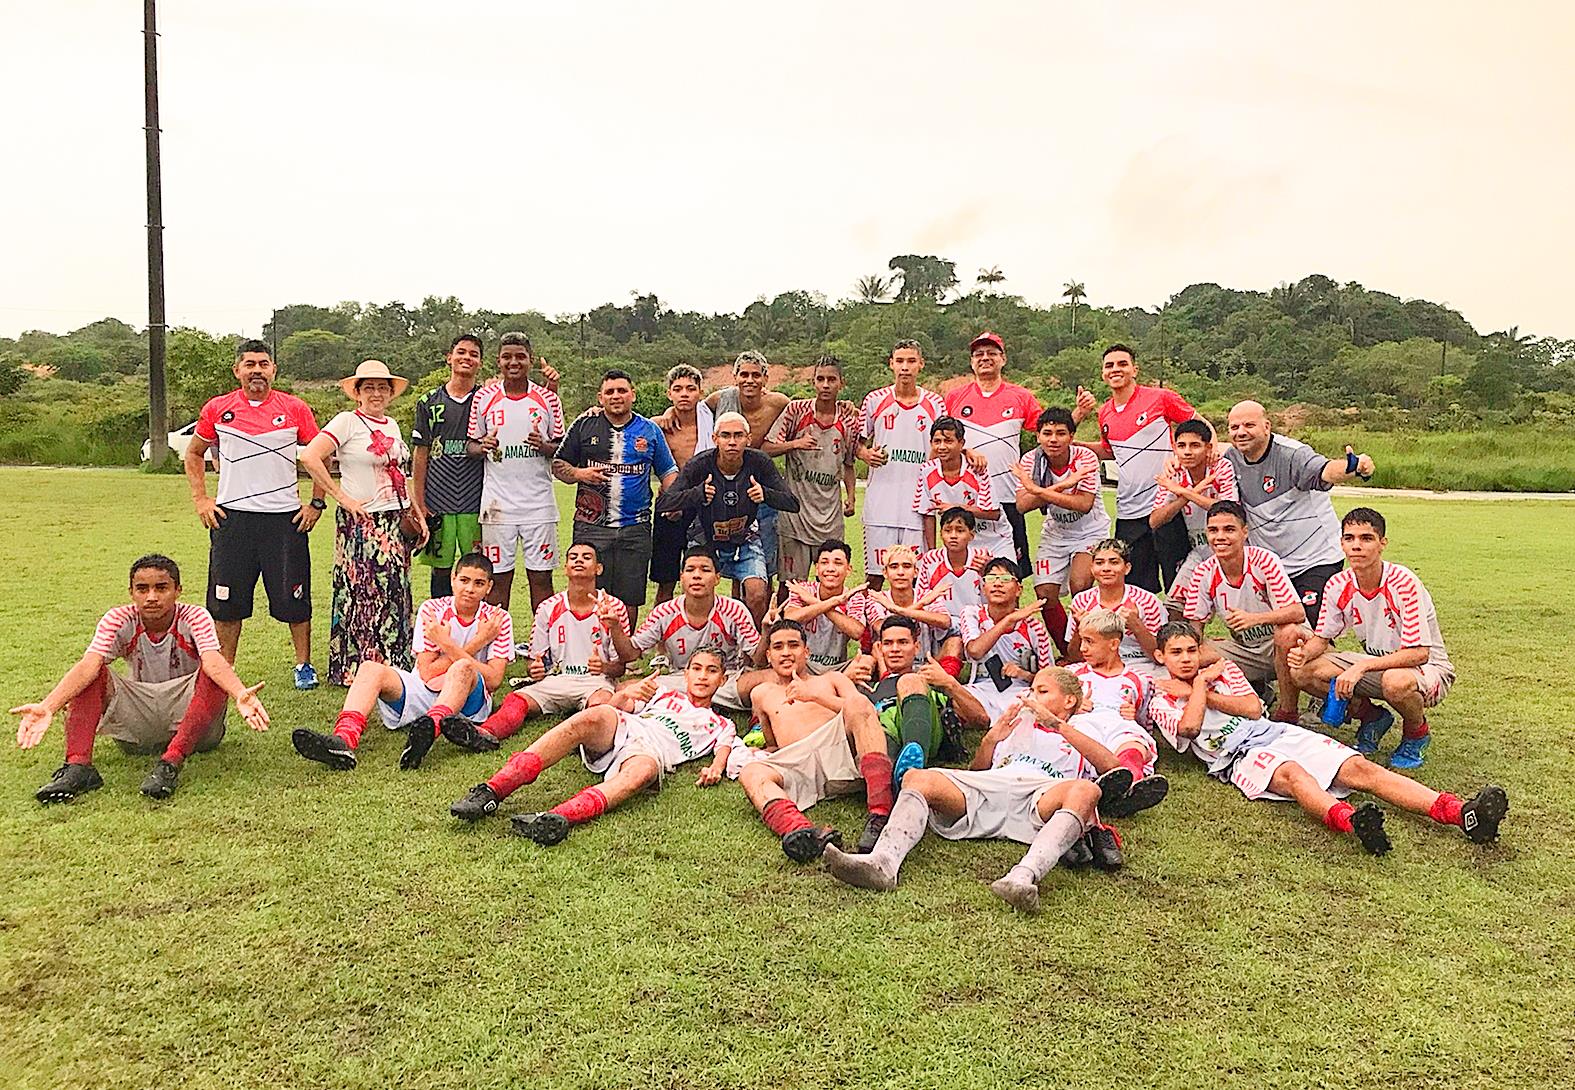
x: 874, y: 289
x: 990, y: 277
x: 1075, y: 292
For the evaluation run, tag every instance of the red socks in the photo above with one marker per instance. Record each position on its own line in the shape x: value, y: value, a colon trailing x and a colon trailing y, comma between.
x: 1363, y: 711
x: 1446, y: 809
x: 207, y: 704
x: 1055, y: 617
x: 1339, y: 817
x: 782, y: 817
x: 519, y: 770
x: 438, y: 713
x: 82, y: 717
x: 586, y: 806
x: 349, y: 726
x: 876, y: 770
x: 509, y: 717
x: 1418, y: 731
x: 1133, y: 759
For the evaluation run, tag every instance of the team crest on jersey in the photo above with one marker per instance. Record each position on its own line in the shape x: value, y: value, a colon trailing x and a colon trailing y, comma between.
x: 226, y: 416
x: 1268, y: 484
x: 1007, y: 411
x: 967, y: 410
x: 278, y: 421
x: 1142, y: 419
x: 642, y: 444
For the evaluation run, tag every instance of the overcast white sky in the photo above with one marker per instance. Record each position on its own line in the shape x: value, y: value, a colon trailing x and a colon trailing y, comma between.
x: 526, y: 155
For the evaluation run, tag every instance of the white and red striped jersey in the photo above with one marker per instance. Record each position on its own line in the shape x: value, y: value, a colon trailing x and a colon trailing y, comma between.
x: 257, y: 448
x: 1061, y: 524
x: 729, y: 629
x: 1165, y: 711
x: 698, y: 731
x: 934, y: 492
x: 871, y: 613
x: 964, y: 589
x: 1110, y: 691
x: 441, y: 611
x: 1026, y: 645
x: 178, y: 653
x: 1263, y: 588
x: 993, y: 425
x: 517, y: 484
x: 1221, y: 486
x: 828, y: 646
x: 566, y: 638
x: 903, y: 432
x: 1034, y: 748
x: 815, y: 476
x: 1150, y: 612
x: 1397, y: 615
x: 1138, y: 434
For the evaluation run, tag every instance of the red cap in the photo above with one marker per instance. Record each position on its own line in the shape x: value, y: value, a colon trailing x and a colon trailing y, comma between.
x: 987, y: 338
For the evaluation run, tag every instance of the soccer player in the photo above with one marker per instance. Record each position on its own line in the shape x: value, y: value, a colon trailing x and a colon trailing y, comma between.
x: 462, y: 646
x: 911, y: 699
x: 1062, y: 478
x: 1026, y: 783
x: 1210, y: 712
x: 828, y: 610
x: 634, y: 741
x: 447, y: 478
x: 995, y: 413
x: 894, y: 441
x: 1284, y: 486
x: 517, y: 425
x: 1187, y: 492
x: 573, y: 657
x: 1138, y: 608
x: 817, y: 438
x: 611, y: 456
x: 1402, y: 662
x: 257, y: 525
x: 1112, y: 687
x: 699, y: 618
x: 170, y: 701
x: 1134, y: 429
x: 1248, y: 589
x: 813, y: 726
x: 1007, y: 643
x: 731, y: 487
x: 946, y: 482
x: 938, y: 637
x: 688, y: 425
x: 761, y: 407
x: 953, y: 569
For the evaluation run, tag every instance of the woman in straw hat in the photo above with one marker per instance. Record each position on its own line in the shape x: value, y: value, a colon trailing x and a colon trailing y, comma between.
x: 371, y: 614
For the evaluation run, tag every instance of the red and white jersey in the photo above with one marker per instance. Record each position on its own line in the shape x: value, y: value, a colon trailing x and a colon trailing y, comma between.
x: 934, y: 492
x: 903, y: 432
x: 441, y: 611
x: 1397, y: 615
x: 815, y: 476
x: 871, y: 613
x: 1150, y: 612
x: 1263, y: 588
x: 993, y: 425
x: 964, y: 588
x: 828, y: 646
x: 729, y: 629
x: 698, y: 731
x: 257, y: 448
x: 1165, y: 711
x: 1221, y: 486
x: 1110, y: 691
x: 566, y: 638
x: 1138, y: 434
x: 517, y: 485
x: 1061, y: 524
x: 178, y: 653
x: 1034, y: 748
x: 1026, y: 646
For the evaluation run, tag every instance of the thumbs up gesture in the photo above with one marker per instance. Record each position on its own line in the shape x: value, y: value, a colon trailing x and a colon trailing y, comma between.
x: 755, y: 492
x: 710, y: 489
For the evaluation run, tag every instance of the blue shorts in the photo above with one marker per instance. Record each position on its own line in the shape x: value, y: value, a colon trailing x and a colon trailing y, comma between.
x: 417, y: 699
x: 766, y: 519
x: 747, y: 561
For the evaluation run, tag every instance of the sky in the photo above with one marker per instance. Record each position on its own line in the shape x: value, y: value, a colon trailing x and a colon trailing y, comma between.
x: 553, y: 157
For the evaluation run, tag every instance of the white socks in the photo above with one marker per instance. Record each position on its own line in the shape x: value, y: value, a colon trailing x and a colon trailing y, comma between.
x: 1050, y: 844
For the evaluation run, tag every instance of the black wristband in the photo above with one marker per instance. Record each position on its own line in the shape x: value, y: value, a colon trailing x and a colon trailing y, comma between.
x: 318, y: 504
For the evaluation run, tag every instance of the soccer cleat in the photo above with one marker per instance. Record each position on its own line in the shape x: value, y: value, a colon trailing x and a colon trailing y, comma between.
x: 1114, y: 785
x: 545, y: 829
x: 419, y: 737
x: 467, y: 735
x: 1147, y: 792
x: 325, y: 749
x: 1105, y: 844
x: 1408, y: 754
x: 69, y: 781
x: 911, y: 757
x: 873, y: 824
x: 1079, y: 855
x: 1021, y: 894
x: 1370, y: 733
x: 160, y: 783
x: 478, y: 802
x: 1368, y: 825
x: 1480, y: 816
x: 807, y: 845
x: 858, y: 870
x: 305, y: 676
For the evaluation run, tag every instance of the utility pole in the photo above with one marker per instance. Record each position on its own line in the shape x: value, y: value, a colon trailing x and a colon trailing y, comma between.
x: 158, y: 405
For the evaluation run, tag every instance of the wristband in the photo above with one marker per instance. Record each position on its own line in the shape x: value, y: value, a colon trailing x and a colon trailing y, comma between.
x: 318, y: 504
x: 1352, y: 462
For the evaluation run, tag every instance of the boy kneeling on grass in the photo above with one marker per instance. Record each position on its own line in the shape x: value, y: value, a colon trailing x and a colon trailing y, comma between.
x: 463, y: 644
x: 1214, y: 714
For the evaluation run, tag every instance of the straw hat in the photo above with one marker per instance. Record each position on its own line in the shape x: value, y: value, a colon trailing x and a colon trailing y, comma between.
x: 373, y: 369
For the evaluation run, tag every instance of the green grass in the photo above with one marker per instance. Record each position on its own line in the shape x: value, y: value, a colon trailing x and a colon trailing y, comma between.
x: 1518, y: 458
x: 275, y: 924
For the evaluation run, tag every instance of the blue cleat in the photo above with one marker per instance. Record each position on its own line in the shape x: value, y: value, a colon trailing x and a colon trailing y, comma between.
x: 1369, y: 734
x: 911, y: 757
x: 305, y: 676
x: 1408, y: 754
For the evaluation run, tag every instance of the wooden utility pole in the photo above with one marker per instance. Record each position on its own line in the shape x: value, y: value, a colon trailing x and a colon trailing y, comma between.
x: 158, y: 405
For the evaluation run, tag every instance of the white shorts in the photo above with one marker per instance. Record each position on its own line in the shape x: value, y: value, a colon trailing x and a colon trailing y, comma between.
x: 637, y: 736
x: 539, y: 540
x: 997, y: 803
x: 994, y: 700
x: 726, y: 695
x: 558, y: 693
x: 1053, y: 556
x: 1115, y: 733
x: 1432, y: 682
x: 1319, y: 756
x: 418, y: 699
x: 877, y: 539
x: 817, y: 766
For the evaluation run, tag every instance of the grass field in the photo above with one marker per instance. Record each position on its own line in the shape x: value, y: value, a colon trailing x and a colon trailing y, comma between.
x: 275, y: 924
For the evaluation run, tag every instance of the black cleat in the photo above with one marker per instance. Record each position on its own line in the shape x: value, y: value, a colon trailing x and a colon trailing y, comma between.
x: 1368, y: 825
x: 1149, y: 791
x: 467, y: 735
x: 479, y: 802
x: 1105, y: 844
x: 1480, y: 816
x: 160, y: 783
x: 325, y: 749
x: 545, y: 829
x: 1078, y: 856
x: 807, y: 845
x: 419, y: 737
x: 69, y: 781
x: 1114, y: 785
x: 873, y: 824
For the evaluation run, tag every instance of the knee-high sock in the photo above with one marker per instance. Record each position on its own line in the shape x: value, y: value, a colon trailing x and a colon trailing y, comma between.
x: 905, y: 828
x: 782, y: 817
x: 917, y: 722
x: 207, y: 704
x: 517, y: 771
x: 504, y: 722
x: 588, y: 805
x: 876, y: 770
x: 82, y: 718
x: 1050, y: 844
x: 350, y: 726
x: 1055, y: 617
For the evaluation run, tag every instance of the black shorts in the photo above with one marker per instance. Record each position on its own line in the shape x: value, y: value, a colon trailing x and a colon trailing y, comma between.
x: 625, y: 553
x: 668, y: 539
x: 266, y: 543
x: 1309, y: 588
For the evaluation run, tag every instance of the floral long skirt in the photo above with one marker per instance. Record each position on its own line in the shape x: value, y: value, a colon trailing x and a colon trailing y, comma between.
x: 371, y: 618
